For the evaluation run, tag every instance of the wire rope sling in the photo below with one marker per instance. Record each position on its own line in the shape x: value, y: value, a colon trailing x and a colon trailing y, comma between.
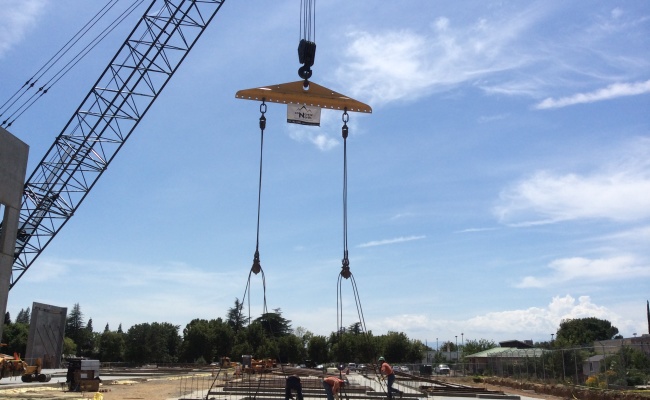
x: 304, y: 101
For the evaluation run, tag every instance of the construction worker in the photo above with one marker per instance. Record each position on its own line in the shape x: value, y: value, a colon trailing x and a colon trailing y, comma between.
x: 292, y: 383
x: 386, y: 370
x: 332, y: 387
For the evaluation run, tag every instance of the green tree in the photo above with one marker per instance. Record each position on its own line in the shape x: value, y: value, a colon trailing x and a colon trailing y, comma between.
x: 317, y: 349
x: 197, y: 341
x: 342, y: 347
x: 86, y: 341
x: 473, y: 346
x: 223, y: 338
x: 24, y: 316
x: 153, y: 343
x: 582, y: 331
x: 15, y: 336
x: 235, y: 318
x: 112, y: 346
x: 274, y: 324
x: 7, y: 318
x: 415, y: 352
x: 241, y: 346
x: 255, y: 338
x: 74, y: 327
x: 291, y: 349
x: 395, y: 346
x: 447, y: 346
x: 355, y: 328
x: 69, y: 347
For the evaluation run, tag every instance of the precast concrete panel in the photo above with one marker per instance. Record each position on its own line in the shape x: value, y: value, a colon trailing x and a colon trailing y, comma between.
x: 46, y: 331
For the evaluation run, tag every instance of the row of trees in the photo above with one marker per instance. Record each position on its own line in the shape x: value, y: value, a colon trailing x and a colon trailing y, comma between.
x: 204, y: 341
x: 270, y: 336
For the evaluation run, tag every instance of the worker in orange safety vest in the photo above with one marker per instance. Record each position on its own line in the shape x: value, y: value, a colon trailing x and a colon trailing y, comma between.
x: 333, y: 386
x: 387, y: 370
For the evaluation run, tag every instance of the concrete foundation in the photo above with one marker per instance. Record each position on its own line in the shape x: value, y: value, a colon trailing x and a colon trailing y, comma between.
x: 13, y: 167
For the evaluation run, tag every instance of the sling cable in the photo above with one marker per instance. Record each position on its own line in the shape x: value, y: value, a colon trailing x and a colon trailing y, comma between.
x: 305, y: 100
x: 249, y: 366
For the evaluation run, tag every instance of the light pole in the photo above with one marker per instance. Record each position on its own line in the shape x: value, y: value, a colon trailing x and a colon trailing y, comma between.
x: 456, y: 348
x: 462, y: 344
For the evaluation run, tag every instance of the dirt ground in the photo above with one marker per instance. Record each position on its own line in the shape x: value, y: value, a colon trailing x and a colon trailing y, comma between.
x: 526, y: 393
x: 152, y: 389
x: 159, y: 389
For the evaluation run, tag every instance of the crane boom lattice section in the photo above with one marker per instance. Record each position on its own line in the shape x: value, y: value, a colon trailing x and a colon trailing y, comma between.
x: 105, y: 119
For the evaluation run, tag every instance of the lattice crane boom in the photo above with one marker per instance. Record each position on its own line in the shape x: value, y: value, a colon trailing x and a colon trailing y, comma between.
x: 123, y: 94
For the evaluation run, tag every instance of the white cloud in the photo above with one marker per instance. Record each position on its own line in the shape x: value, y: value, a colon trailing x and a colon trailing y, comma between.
x: 541, y: 322
x: 391, y: 241
x: 617, y: 13
x: 617, y: 191
x: 471, y: 230
x: 119, y: 274
x: 402, y: 215
x: 319, y: 139
x: 639, y: 235
x: 17, y: 17
x: 610, y: 92
x: 47, y: 270
x: 581, y: 269
x: 398, y: 65
x: 492, y: 118
x: 535, y: 323
x: 405, y: 65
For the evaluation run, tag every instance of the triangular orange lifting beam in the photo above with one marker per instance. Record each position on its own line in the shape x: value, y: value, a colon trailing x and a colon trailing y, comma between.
x: 294, y: 93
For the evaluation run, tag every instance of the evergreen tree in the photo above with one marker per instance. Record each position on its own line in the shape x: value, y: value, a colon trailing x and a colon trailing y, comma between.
x: 355, y: 328
x: 87, y: 340
x: 234, y: 318
x: 74, y: 326
x: 7, y: 318
x: 119, y: 328
x: 106, y: 329
x: 274, y: 324
x: 24, y: 316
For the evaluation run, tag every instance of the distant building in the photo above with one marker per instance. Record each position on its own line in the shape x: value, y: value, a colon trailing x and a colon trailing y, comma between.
x: 604, y: 348
x: 608, y: 347
x: 591, y: 366
x: 500, y: 360
x: 431, y: 356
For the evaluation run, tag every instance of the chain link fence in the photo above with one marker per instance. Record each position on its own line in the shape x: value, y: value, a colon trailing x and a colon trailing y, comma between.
x: 596, y: 366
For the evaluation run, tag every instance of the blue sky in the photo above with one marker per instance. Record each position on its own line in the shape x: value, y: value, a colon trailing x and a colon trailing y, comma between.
x: 499, y: 186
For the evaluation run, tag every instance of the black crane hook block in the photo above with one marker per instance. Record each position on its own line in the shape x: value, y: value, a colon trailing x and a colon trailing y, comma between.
x: 306, y: 56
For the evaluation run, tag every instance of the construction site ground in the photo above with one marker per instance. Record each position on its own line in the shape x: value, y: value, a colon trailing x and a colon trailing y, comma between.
x: 188, y: 384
